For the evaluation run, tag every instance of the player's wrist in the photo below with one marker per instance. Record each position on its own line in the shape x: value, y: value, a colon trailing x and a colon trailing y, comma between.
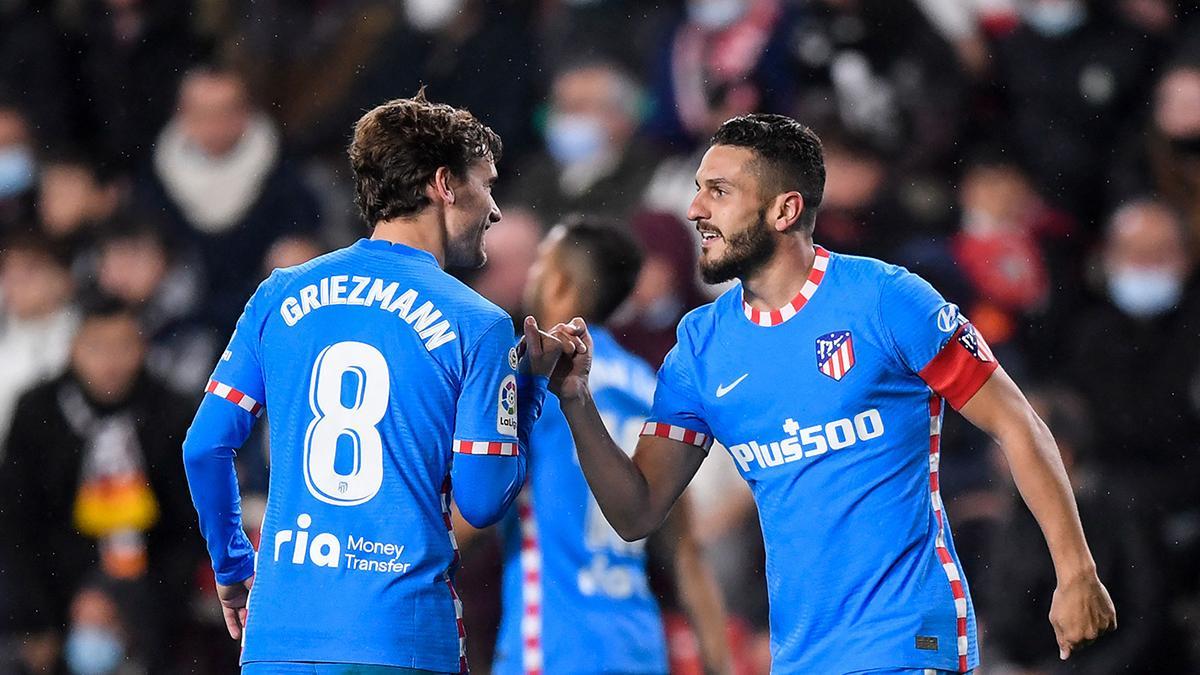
x: 575, y: 400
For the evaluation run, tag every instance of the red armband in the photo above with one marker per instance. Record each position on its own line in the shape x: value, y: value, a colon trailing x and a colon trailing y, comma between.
x: 961, y: 368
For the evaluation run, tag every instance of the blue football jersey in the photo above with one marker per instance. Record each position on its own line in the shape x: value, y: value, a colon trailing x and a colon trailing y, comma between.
x: 831, y: 408
x: 375, y: 366
x: 575, y: 595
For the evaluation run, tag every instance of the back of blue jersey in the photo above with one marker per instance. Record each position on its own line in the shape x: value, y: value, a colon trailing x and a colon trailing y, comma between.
x: 373, y: 365
x: 575, y: 595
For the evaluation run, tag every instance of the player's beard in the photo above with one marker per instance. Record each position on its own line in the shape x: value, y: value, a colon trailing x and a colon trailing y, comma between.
x: 745, y: 253
x: 466, y: 251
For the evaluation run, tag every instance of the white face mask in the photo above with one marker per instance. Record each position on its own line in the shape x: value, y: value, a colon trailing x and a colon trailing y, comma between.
x: 428, y: 16
x: 17, y: 169
x: 716, y: 14
x: 1144, y: 292
x: 575, y: 139
x: 1053, y: 18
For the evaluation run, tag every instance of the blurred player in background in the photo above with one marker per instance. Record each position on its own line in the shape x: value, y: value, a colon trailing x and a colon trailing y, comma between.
x: 576, y: 598
x: 825, y: 377
x: 375, y: 365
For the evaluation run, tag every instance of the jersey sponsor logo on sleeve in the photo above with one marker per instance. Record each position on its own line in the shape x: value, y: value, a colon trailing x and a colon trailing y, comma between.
x: 506, y: 407
x: 514, y: 359
x: 835, y: 354
x: 949, y: 318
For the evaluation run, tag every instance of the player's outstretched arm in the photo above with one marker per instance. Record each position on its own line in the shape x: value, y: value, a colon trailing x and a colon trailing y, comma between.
x: 634, y: 495
x: 1081, y: 609
x: 699, y: 593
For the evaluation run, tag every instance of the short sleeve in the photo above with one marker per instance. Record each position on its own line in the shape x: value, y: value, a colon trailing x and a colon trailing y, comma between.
x: 676, y: 412
x: 934, y: 340
x: 238, y: 377
x: 486, y: 417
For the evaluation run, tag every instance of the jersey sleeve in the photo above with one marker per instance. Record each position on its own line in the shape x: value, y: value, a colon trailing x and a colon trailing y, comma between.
x: 933, y: 339
x: 676, y: 412
x: 233, y: 400
x: 487, y: 412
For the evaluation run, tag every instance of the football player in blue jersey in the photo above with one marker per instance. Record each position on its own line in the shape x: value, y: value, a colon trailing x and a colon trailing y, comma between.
x: 388, y: 384
x: 825, y: 377
x: 576, y: 598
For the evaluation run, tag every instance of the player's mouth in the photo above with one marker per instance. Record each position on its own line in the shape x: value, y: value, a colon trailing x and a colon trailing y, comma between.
x: 708, y: 235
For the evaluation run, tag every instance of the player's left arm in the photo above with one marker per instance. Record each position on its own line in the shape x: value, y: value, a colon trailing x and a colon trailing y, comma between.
x: 698, y: 590
x: 1081, y: 609
x: 934, y: 341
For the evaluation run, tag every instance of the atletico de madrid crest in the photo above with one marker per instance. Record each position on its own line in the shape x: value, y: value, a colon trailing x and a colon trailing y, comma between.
x: 835, y: 354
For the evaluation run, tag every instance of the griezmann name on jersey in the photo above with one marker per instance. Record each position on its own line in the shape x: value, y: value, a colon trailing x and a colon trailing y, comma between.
x: 375, y: 367
x: 575, y: 595
x: 831, y: 408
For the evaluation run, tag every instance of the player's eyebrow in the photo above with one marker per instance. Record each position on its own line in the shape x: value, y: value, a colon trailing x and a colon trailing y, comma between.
x: 714, y: 182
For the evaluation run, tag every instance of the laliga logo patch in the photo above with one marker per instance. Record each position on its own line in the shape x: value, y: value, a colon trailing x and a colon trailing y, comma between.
x: 835, y: 354
x: 506, y: 409
x: 949, y: 318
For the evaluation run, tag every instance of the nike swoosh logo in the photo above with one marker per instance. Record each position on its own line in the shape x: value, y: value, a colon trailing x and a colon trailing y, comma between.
x: 725, y: 389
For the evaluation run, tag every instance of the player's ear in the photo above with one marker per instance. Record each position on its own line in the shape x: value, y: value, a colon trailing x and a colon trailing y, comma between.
x: 440, y: 184
x: 789, y: 207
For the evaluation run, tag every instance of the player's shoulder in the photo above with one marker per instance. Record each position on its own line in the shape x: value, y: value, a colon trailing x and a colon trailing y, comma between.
x: 862, y: 269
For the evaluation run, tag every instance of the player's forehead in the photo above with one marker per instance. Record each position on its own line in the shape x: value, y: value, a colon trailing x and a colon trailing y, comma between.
x: 726, y: 163
x: 482, y: 169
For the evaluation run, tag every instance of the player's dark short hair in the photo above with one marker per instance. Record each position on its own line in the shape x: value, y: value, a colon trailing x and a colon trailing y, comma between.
x: 604, y: 259
x: 398, y: 147
x: 790, y: 157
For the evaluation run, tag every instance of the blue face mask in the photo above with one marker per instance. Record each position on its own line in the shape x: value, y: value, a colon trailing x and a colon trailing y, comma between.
x: 1144, y: 293
x: 93, y: 651
x: 575, y: 139
x: 1053, y: 18
x: 715, y: 14
x: 16, y: 171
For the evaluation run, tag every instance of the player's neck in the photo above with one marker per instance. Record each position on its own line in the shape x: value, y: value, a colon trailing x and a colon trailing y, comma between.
x: 779, y: 281
x: 421, y: 232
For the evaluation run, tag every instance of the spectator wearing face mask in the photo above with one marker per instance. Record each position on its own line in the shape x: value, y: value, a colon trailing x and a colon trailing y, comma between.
x: 223, y: 185
x: 1166, y: 159
x: 1070, y: 74
x: 18, y: 169
x: 592, y: 163
x: 93, y: 483
x: 99, y: 637
x: 37, y: 318
x: 1136, y: 358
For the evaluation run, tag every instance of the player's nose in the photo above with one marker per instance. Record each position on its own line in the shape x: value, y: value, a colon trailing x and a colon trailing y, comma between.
x: 697, y: 210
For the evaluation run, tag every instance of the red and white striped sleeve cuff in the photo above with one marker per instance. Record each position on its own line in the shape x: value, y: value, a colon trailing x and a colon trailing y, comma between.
x: 235, y: 397
x: 502, y: 449
x: 680, y: 434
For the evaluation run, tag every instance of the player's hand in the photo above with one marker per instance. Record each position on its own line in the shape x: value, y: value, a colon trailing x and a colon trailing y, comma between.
x: 1081, y: 612
x: 233, y: 605
x: 540, y: 351
x: 569, y: 380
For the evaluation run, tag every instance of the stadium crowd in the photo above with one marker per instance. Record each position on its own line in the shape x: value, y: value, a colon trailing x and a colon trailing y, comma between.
x: 1037, y: 160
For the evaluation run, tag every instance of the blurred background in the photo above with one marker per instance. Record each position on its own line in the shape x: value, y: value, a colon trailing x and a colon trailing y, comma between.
x: 1037, y: 160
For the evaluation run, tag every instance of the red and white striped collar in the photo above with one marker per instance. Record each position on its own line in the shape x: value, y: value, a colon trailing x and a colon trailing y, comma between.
x: 777, y: 316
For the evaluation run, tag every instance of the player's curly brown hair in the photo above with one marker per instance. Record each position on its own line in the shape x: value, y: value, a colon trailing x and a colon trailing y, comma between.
x: 398, y: 146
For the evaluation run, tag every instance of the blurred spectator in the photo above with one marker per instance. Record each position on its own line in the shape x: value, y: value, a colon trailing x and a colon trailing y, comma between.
x: 75, y: 196
x: 98, y: 638
x: 878, y: 70
x: 592, y: 164
x: 18, y: 169
x: 667, y: 287
x: 222, y: 182
x: 725, y: 57
x: 1137, y: 359
x: 92, y: 483
x: 1020, y: 580
x: 135, y: 265
x: 860, y: 212
x: 511, y: 250
x: 33, y: 59
x: 585, y: 28
x: 1166, y: 159
x: 1072, y: 74
x: 37, y: 320
x: 132, y: 54
x: 291, y: 250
